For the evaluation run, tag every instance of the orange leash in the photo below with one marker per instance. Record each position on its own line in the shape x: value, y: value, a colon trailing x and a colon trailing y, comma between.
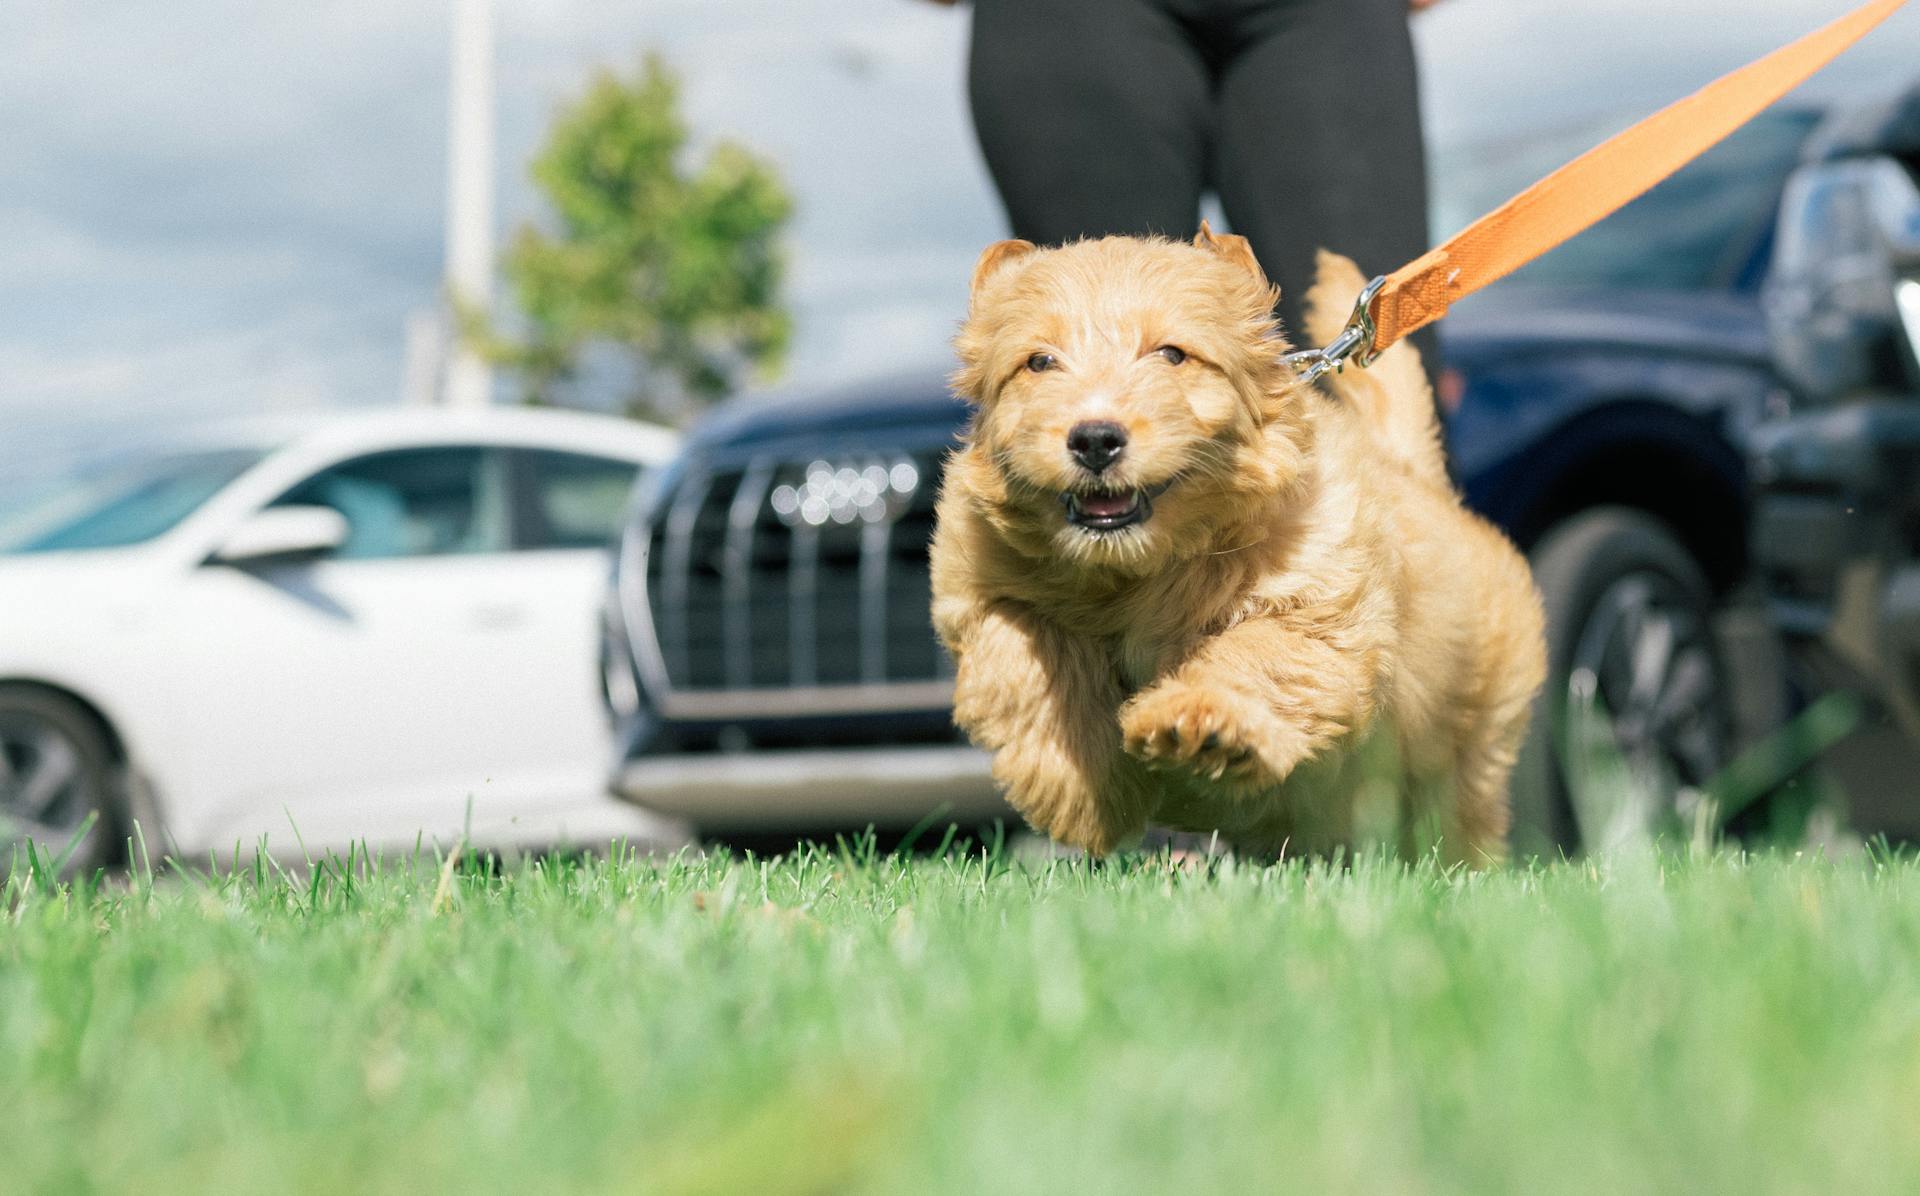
x: 1580, y: 194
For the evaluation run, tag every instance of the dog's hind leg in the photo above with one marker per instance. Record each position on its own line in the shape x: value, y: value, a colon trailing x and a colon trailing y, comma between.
x: 1489, y: 744
x: 1507, y: 666
x: 1474, y: 830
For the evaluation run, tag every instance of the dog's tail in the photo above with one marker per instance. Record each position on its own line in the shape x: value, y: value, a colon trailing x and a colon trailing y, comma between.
x: 1392, y: 396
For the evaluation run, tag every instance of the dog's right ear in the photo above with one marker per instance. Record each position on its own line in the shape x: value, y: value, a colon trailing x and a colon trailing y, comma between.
x: 995, y: 256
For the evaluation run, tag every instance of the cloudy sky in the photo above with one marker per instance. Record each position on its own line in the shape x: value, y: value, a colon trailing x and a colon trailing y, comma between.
x: 220, y: 206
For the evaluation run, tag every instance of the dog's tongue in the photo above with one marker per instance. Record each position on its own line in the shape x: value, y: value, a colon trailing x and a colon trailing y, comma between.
x: 1106, y: 506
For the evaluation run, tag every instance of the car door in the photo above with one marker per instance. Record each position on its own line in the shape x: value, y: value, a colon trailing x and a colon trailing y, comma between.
x: 568, y: 509
x: 374, y: 693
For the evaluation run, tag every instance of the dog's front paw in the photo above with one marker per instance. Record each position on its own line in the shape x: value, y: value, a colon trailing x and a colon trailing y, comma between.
x: 1210, y: 733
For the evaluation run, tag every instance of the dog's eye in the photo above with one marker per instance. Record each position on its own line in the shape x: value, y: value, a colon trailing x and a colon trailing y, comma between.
x: 1040, y: 363
x: 1173, y: 353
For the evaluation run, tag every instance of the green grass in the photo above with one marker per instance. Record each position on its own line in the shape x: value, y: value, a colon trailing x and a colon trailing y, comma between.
x: 846, y: 1022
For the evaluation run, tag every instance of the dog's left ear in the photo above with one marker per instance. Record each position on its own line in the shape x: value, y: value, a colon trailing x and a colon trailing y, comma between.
x: 1233, y: 248
x: 995, y: 256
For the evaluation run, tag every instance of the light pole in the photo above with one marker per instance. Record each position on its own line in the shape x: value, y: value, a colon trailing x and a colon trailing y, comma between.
x: 469, y: 281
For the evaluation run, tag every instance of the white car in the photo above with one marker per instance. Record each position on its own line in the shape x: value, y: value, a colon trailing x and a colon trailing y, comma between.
x: 363, y: 629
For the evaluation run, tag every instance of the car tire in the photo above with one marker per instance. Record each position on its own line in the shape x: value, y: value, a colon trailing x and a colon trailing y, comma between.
x: 1629, y: 634
x: 56, y: 768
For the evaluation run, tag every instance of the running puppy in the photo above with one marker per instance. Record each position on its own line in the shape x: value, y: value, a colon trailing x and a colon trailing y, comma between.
x: 1182, y: 587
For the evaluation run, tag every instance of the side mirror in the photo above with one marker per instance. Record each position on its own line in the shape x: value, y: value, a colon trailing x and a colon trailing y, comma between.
x: 283, y: 535
x: 1841, y: 298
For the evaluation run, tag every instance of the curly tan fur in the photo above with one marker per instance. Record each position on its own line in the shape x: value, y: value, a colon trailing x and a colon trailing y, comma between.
x: 1309, y: 645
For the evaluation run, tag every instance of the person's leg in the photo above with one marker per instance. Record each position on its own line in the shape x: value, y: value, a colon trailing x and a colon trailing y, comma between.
x: 1093, y: 116
x: 1319, y: 141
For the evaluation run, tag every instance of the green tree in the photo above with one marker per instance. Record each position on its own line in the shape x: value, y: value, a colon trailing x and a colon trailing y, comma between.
x: 677, y: 267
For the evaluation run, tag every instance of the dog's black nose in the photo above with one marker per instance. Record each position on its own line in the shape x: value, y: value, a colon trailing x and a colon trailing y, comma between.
x: 1096, y: 444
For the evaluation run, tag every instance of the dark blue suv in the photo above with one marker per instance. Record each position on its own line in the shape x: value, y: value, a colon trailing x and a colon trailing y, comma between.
x: 768, y: 656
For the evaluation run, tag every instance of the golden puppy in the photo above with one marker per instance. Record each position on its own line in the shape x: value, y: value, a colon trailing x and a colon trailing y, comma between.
x: 1181, y: 586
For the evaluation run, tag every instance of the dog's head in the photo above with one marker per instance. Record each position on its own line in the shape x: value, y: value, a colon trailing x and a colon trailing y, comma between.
x: 1133, y: 402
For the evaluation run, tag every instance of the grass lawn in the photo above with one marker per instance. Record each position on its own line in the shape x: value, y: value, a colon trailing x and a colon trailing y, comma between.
x: 968, y: 1023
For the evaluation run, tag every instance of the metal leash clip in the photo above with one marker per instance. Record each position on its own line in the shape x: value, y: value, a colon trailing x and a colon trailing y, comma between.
x: 1354, y: 344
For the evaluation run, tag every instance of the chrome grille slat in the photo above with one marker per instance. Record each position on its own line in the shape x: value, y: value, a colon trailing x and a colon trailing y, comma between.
x: 676, y: 570
x: 876, y: 541
x: 736, y: 573
x: 803, y: 590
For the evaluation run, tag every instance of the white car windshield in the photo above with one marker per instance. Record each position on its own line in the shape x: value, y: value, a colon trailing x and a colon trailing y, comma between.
x: 119, y: 503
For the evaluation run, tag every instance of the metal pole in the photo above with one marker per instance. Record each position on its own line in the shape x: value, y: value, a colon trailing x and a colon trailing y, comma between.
x: 469, y: 380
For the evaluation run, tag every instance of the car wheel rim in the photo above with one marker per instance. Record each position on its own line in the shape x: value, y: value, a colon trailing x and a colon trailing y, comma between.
x: 1646, y: 677
x: 43, y: 784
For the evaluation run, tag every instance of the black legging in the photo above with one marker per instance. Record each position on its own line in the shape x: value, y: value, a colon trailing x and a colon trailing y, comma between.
x: 1113, y: 116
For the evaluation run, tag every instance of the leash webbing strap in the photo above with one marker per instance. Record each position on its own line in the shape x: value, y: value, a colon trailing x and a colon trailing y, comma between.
x: 1587, y: 190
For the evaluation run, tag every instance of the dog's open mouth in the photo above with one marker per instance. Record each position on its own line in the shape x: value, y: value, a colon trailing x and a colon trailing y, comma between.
x: 1111, y: 510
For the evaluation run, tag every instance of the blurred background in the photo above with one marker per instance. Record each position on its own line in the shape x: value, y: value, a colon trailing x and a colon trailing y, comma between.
x: 219, y: 207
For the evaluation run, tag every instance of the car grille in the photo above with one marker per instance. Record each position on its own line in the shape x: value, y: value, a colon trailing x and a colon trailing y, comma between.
x: 780, y: 587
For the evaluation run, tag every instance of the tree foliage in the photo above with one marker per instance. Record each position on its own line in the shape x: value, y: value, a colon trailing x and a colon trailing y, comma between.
x: 677, y: 268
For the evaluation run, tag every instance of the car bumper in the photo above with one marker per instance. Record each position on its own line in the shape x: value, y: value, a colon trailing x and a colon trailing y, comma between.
x: 816, y: 788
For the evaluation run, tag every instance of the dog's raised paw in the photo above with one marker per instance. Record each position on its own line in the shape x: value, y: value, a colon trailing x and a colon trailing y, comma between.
x: 1197, y: 730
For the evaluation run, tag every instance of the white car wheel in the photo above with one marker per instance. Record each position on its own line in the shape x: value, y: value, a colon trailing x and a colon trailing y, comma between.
x: 56, y: 771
